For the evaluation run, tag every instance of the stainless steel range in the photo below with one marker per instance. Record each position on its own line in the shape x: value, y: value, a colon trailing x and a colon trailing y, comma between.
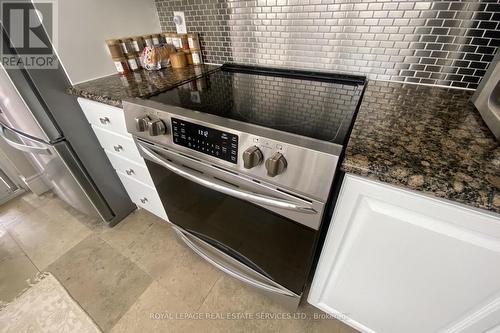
x: 243, y: 160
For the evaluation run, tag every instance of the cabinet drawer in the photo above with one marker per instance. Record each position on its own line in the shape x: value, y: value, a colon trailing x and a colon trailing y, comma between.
x: 105, y: 116
x: 143, y: 196
x: 121, y: 145
x: 130, y: 168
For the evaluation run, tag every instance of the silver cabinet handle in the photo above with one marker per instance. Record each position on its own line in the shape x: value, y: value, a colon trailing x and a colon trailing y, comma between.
x: 217, y: 261
x: 23, y: 147
x: 104, y: 120
x: 244, y: 195
x: 117, y: 148
x: 144, y: 200
x: 130, y: 172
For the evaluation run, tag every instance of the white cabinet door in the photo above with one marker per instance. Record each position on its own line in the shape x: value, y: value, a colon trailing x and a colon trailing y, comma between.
x: 399, y: 261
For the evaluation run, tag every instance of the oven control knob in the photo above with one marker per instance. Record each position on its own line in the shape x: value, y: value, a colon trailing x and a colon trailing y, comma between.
x: 141, y: 123
x: 276, y: 164
x: 156, y: 127
x: 252, y: 157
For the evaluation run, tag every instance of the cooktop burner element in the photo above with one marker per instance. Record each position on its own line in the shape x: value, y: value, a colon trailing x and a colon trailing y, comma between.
x: 316, y: 105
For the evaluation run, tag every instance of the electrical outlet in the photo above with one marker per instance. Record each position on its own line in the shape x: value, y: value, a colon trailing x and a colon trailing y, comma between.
x: 180, y: 22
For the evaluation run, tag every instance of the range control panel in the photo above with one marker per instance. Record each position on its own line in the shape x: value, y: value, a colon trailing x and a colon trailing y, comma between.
x: 207, y: 140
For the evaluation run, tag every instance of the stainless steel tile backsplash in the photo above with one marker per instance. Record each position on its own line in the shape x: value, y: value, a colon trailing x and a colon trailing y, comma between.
x: 438, y: 42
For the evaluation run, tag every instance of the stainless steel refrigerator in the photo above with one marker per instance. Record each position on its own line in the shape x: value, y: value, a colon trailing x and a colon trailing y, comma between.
x: 40, y: 119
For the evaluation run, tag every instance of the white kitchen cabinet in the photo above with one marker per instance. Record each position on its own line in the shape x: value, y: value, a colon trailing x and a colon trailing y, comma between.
x: 108, y: 123
x: 399, y: 261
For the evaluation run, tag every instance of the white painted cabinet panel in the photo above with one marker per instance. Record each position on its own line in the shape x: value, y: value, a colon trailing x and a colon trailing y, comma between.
x: 108, y: 123
x: 398, y: 261
x: 105, y: 116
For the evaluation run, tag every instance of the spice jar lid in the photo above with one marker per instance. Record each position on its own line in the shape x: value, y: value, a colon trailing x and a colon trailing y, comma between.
x: 193, y: 34
x: 155, y: 35
x: 126, y: 39
x: 119, y: 58
x: 137, y: 37
x: 146, y: 36
x: 131, y: 55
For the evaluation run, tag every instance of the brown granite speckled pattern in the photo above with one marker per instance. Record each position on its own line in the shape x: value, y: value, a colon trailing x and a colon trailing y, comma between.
x: 113, y: 89
x: 427, y: 139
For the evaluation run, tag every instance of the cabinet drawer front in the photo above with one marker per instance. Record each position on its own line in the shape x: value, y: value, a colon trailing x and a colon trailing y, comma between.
x: 118, y: 144
x: 143, y: 196
x: 130, y: 168
x: 105, y: 116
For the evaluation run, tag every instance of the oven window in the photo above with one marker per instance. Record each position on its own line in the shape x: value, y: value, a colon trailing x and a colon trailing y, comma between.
x: 275, y: 246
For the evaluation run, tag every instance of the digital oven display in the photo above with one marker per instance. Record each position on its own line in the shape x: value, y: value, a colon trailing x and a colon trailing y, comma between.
x: 207, y: 140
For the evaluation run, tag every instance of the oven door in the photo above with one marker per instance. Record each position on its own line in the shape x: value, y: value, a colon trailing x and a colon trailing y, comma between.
x: 260, y: 226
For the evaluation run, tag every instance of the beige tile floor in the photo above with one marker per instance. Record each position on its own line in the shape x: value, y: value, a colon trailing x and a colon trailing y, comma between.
x: 135, y: 277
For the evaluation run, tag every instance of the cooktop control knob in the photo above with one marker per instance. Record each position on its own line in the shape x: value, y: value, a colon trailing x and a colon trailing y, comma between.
x: 252, y: 157
x: 141, y: 123
x: 156, y: 127
x: 276, y: 164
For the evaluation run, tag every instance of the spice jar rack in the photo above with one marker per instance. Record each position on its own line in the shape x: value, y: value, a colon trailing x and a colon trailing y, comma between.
x: 126, y: 52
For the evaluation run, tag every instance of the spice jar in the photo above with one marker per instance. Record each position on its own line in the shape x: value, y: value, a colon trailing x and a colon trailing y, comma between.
x: 167, y: 36
x: 148, y: 40
x: 132, y: 62
x: 176, y: 40
x: 189, y: 57
x: 138, y: 58
x: 138, y: 43
x: 184, y: 41
x: 121, y: 65
x: 127, y: 45
x: 193, y: 41
x: 178, y: 60
x: 156, y: 39
x: 115, y: 48
x: 196, y: 55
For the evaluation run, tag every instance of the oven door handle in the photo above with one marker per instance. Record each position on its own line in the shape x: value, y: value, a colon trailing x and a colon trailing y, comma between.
x: 244, y: 195
x: 222, y: 261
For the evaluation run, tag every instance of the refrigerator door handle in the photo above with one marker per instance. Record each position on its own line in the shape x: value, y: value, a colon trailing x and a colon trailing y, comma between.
x: 23, y: 147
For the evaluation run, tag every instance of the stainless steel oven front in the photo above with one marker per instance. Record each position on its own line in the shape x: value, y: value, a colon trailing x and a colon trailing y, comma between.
x: 261, y: 231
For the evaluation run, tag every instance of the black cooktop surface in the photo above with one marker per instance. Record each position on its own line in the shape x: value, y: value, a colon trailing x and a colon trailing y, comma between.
x: 311, y: 104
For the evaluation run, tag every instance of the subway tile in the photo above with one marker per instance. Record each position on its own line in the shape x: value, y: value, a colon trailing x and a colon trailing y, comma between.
x: 380, y: 39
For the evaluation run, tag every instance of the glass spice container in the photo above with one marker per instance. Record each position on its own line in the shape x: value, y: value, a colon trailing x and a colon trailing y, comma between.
x: 156, y: 39
x: 193, y: 41
x: 148, y: 40
x: 121, y: 65
x: 184, y: 41
x: 196, y: 55
x: 138, y: 43
x: 126, y: 44
x: 132, y: 62
x: 176, y: 41
x: 167, y: 36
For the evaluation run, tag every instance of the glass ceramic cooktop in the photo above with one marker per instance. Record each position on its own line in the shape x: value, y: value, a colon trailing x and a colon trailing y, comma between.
x: 315, y: 105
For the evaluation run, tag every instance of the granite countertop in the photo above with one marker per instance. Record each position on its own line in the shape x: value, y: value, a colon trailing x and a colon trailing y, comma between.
x: 428, y: 139
x: 114, y: 88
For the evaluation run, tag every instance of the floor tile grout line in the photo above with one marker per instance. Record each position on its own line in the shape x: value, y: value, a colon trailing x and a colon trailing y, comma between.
x: 18, y: 243
x: 208, y: 293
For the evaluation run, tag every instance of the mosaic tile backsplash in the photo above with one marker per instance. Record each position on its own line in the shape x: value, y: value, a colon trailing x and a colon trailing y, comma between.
x: 438, y: 42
